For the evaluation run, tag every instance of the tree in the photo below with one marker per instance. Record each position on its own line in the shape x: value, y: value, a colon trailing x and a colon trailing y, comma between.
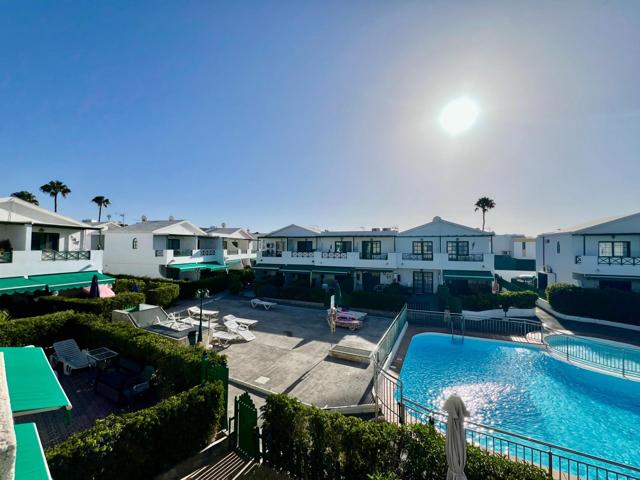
x: 101, y: 202
x: 26, y: 196
x: 484, y: 204
x: 55, y: 188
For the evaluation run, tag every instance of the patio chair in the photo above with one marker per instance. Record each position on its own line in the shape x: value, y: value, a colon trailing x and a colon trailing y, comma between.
x: 223, y: 338
x: 256, y: 302
x: 241, y: 330
x: 208, y: 314
x: 122, y: 384
x: 69, y: 354
x: 240, y: 321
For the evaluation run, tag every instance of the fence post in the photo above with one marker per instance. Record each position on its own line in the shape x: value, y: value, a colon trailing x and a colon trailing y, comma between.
x: 550, y: 460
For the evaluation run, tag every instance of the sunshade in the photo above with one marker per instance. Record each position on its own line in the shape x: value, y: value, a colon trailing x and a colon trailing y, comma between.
x: 9, y: 286
x: 266, y: 267
x: 66, y: 281
x: 33, y: 387
x: 30, y: 460
x: 456, y: 444
x: 315, y: 269
x: 232, y: 262
x: 479, y: 275
x: 187, y: 267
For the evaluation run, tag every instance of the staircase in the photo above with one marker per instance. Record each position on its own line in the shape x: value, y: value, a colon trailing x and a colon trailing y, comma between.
x: 229, y: 467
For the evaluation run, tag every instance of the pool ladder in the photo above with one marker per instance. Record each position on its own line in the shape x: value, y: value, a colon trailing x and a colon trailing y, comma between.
x: 457, y: 335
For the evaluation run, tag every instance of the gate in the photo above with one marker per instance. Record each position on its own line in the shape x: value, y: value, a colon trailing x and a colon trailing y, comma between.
x: 213, y: 373
x: 245, y: 437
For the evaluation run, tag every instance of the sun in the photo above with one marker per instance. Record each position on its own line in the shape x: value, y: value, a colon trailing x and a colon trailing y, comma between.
x: 459, y: 115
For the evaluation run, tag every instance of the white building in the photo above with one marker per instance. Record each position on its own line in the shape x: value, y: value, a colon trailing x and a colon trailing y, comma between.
x: 175, y: 249
x: 515, y: 245
x: 599, y: 254
x: 42, y: 250
x: 420, y: 258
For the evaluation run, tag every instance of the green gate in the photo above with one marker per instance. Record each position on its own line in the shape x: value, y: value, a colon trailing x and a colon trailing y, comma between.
x: 246, y: 425
x: 215, y: 372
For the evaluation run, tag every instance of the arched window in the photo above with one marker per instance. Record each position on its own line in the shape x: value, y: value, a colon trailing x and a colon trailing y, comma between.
x: 134, y: 243
x: 557, y: 247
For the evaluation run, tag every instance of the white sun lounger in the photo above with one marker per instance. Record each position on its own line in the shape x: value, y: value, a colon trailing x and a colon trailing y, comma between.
x: 240, y: 321
x: 72, y: 358
x: 256, y: 302
x: 238, y: 329
x: 208, y: 314
x: 223, y: 338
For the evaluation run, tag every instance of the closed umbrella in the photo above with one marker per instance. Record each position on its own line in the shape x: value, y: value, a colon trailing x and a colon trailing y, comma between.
x: 94, y: 291
x: 456, y: 446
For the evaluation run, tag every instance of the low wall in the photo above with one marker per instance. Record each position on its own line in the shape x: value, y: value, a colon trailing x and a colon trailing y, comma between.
x: 499, y: 313
x: 544, y: 305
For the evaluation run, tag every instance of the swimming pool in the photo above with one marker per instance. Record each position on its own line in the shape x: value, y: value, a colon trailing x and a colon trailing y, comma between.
x: 522, y: 389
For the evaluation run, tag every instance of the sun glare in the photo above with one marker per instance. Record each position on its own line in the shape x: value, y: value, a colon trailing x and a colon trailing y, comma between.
x: 459, y: 115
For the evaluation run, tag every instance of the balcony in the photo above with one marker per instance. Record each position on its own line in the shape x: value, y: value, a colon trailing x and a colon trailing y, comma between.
x: 374, y: 256
x: 302, y: 254
x: 270, y: 253
x: 339, y: 255
x: 595, y: 265
x: 473, y: 257
x: 41, y: 262
x: 6, y: 257
x: 418, y: 257
x: 54, y: 255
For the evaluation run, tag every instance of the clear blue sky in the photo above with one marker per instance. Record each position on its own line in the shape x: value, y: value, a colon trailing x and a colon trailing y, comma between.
x: 261, y: 113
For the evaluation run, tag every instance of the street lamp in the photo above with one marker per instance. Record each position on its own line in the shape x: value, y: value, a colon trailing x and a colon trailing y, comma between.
x: 201, y: 293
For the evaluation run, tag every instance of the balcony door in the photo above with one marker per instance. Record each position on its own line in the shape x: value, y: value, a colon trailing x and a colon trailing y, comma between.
x: 422, y: 282
x: 45, y: 241
x: 305, y: 246
x: 342, y: 246
x: 371, y: 249
x: 422, y: 250
x: 457, y: 249
x: 173, y: 244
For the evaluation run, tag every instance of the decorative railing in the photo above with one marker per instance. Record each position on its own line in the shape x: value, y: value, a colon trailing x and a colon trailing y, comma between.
x: 334, y: 255
x: 301, y: 254
x: 182, y: 252
x: 159, y: 253
x: 205, y: 251
x: 473, y: 257
x: 418, y: 256
x: 6, y: 257
x: 608, y: 357
x: 631, y: 261
x: 54, y: 255
x: 271, y: 253
x: 374, y: 256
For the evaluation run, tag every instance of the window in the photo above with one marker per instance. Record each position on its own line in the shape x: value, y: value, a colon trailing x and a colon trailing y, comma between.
x: 45, y: 241
x: 224, y: 244
x: 614, y: 249
x: 557, y: 247
x: 342, y: 246
x: 371, y: 249
x: 134, y: 243
x: 173, y: 244
x: 422, y: 248
x: 457, y: 248
x: 305, y: 246
x: 524, y: 246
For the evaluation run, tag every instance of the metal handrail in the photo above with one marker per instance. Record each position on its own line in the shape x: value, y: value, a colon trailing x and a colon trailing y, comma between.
x: 418, y: 256
x: 471, y: 257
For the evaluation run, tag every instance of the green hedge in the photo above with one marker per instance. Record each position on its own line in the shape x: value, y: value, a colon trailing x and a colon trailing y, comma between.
x: 129, y: 285
x: 447, y: 300
x: 606, y: 304
x: 163, y: 294
x: 178, y: 366
x: 392, y: 302
x: 98, y: 306
x: 144, y: 443
x: 310, y: 443
x: 218, y: 282
x: 490, y: 301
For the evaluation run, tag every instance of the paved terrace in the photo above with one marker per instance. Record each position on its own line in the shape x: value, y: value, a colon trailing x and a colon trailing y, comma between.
x: 290, y: 353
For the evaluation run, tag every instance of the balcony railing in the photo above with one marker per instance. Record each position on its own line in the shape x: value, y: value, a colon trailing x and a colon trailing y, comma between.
x: 334, y: 254
x: 182, y: 252
x: 271, y: 253
x: 418, y: 256
x: 6, y: 257
x: 205, y: 251
x: 54, y: 255
x: 473, y: 257
x: 631, y: 261
x: 301, y: 254
x: 374, y: 256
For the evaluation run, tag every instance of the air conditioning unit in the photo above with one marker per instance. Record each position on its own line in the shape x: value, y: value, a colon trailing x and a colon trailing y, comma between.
x: 547, y: 269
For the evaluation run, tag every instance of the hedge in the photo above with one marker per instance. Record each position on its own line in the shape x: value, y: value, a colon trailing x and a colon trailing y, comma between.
x: 606, y: 304
x: 129, y: 285
x: 98, y: 306
x: 377, y: 301
x: 163, y: 294
x: 143, y: 443
x: 309, y: 443
x: 178, y: 366
x: 447, y: 300
x: 490, y: 301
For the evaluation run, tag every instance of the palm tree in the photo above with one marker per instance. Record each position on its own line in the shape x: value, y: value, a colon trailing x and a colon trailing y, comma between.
x: 55, y: 188
x: 26, y: 196
x: 101, y: 202
x: 485, y: 204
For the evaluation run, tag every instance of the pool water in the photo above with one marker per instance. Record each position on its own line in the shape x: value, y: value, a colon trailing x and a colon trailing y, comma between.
x: 521, y: 389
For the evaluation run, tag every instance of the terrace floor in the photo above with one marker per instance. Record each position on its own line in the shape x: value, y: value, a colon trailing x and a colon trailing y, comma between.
x: 290, y: 353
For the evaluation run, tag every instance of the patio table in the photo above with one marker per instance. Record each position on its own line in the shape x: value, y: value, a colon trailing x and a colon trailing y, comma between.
x: 101, y: 355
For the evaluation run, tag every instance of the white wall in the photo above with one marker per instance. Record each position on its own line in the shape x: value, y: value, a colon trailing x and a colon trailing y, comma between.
x: 121, y: 258
x: 563, y: 263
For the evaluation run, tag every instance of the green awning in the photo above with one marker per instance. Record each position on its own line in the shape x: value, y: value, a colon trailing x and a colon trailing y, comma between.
x: 476, y: 275
x: 9, y: 286
x: 189, y: 267
x: 67, y: 281
x: 262, y: 266
x: 33, y: 387
x: 232, y: 262
x: 315, y: 269
x: 31, y: 463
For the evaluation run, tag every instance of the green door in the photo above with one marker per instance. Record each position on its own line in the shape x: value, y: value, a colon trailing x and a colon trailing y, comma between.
x: 246, y: 415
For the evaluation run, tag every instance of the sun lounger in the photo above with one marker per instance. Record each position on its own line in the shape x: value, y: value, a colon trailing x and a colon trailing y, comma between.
x: 72, y: 358
x: 348, y: 322
x: 238, y: 329
x: 256, y: 302
x: 208, y: 314
x: 223, y: 338
x: 351, y: 314
x: 241, y: 321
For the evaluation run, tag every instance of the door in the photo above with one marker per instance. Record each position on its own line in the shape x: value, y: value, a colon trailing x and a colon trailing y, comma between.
x: 370, y: 280
x: 422, y: 282
x: 371, y: 249
x: 45, y: 241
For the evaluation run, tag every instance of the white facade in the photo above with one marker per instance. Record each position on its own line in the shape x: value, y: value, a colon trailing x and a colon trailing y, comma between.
x: 419, y: 258
x: 238, y: 245
x: 515, y: 245
x: 36, y: 241
x: 601, y: 254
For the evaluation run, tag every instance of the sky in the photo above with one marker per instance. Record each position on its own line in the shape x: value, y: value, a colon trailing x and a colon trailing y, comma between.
x: 265, y: 113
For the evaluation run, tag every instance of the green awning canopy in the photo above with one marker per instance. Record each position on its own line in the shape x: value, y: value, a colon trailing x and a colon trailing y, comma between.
x: 33, y: 387
x: 262, y: 266
x: 9, y: 286
x: 315, y: 269
x: 476, y: 275
x: 67, y: 281
x: 30, y: 460
x: 189, y: 267
x: 232, y: 262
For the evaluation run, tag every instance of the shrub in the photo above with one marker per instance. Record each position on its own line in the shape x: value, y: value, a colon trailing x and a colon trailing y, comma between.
x: 218, y: 282
x: 310, y: 443
x: 490, y: 301
x: 4, y: 316
x: 376, y: 301
x: 163, y: 294
x: 98, y: 306
x: 447, y: 300
x: 143, y: 443
x: 235, y: 285
x: 129, y: 285
x: 606, y: 304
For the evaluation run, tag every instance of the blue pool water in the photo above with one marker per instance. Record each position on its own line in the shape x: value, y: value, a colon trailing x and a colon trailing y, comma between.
x: 523, y: 390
